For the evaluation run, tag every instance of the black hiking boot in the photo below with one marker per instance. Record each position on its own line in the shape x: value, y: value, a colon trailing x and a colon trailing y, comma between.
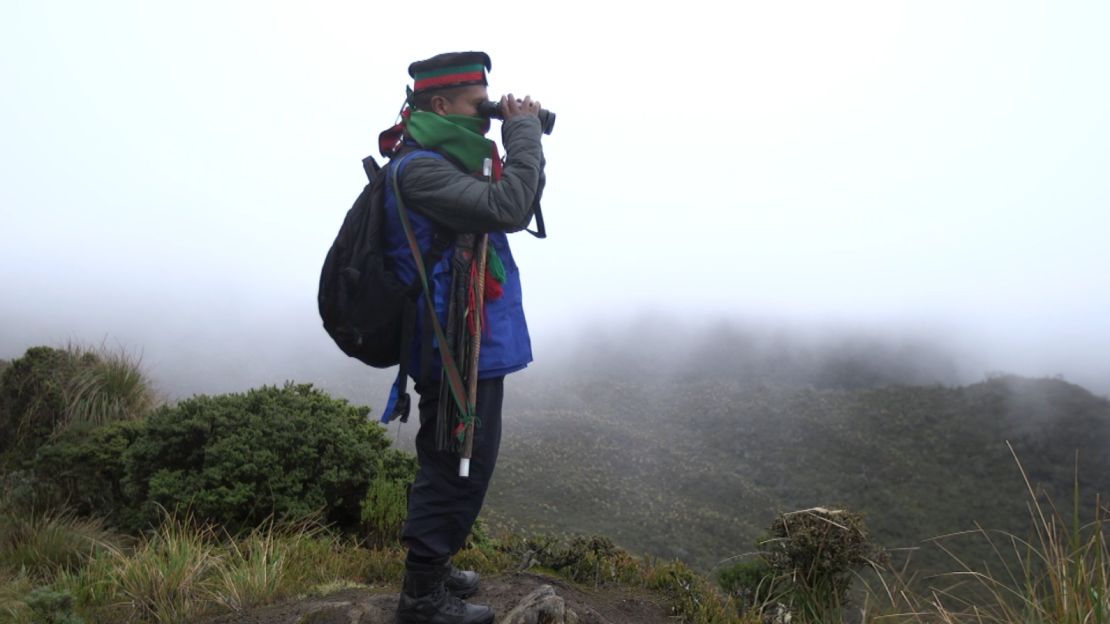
x: 425, y: 599
x: 461, y: 583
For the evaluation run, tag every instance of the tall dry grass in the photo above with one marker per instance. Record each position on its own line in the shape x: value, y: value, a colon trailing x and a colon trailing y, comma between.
x: 161, y: 578
x: 185, y: 570
x: 41, y: 545
x: 1058, y: 575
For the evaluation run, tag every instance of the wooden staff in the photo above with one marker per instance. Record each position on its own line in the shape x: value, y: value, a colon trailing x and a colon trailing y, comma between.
x: 475, y: 347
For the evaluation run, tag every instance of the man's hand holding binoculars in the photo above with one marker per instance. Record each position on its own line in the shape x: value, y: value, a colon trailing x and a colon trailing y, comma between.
x: 512, y: 107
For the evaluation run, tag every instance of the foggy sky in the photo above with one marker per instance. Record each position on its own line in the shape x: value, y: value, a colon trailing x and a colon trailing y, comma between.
x: 171, y: 176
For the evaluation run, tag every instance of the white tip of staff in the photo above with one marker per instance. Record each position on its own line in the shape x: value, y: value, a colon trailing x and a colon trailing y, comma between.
x: 464, y: 467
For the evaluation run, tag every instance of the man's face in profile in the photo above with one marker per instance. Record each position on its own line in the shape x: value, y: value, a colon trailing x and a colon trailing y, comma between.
x: 464, y: 102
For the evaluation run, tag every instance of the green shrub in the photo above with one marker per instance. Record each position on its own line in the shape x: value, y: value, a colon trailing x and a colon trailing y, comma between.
x: 32, y: 400
x: 813, y: 554
x: 693, y: 598
x: 48, y: 390
x: 750, y: 582
x: 595, y: 560
x: 386, y: 504
x: 238, y: 459
x: 588, y: 559
x: 82, y: 468
x: 384, y: 511
x: 398, y: 466
x: 49, y: 606
x: 14, y: 589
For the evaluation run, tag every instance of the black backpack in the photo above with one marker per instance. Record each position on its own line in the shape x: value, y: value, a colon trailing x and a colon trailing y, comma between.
x: 363, y: 305
x: 367, y: 311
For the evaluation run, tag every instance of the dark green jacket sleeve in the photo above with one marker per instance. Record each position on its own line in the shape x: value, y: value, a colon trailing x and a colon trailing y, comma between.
x: 462, y: 202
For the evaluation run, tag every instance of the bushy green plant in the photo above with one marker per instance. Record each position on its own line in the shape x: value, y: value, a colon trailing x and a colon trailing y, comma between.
x: 47, y: 390
x: 238, y: 459
x: 384, y: 511
x: 813, y: 554
x: 82, y: 468
x: 32, y: 400
x: 398, y: 466
x: 693, y: 598
x: 485, y: 553
x: 50, y: 606
x: 14, y: 589
x: 386, y: 504
x: 750, y: 582
x: 594, y: 559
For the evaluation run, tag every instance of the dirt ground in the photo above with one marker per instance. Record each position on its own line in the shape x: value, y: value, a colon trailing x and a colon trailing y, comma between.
x: 377, y: 605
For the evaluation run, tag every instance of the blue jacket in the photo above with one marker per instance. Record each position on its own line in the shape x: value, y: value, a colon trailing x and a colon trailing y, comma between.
x: 438, y: 195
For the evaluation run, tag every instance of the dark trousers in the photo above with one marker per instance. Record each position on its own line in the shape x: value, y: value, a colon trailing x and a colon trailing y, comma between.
x: 443, y: 505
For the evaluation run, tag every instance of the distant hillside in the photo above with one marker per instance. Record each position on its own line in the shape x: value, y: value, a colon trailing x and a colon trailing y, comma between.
x: 697, y: 469
x: 760, y: 353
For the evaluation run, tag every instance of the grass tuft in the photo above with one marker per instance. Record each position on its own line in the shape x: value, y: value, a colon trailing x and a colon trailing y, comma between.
x: 164, y: 579
x: 253, y: 571
x: 106, y: 386
x: 42, y: 545
x: 14, y: 589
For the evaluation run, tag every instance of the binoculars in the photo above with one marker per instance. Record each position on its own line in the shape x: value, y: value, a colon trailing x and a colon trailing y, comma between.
x: 493, y: 110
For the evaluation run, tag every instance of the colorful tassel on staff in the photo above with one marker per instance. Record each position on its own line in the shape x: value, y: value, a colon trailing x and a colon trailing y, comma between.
x: 495, y: 275
x: 494, y: 265
x: 494, y: 288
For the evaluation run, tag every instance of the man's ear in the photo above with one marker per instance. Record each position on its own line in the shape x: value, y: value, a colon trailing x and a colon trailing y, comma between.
x: 438, y: 104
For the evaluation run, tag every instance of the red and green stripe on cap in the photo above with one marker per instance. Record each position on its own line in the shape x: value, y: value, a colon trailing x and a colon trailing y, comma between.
x: 450, y: 76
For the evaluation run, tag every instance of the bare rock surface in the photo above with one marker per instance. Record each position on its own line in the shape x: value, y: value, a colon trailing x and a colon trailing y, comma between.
x: 523, y: 598
x: 542, y: 606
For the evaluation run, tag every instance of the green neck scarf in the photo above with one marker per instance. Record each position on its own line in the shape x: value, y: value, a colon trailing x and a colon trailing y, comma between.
x: 457, y: 136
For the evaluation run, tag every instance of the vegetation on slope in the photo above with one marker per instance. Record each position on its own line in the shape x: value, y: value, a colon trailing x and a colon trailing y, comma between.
x: 695, y: 469
x: 140, y: 516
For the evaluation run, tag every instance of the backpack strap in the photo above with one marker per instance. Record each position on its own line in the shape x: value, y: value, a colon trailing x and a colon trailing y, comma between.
x: 441, y: 242
x: 540, y: 232
x: 400, y: 403
x: 371, y: 167
x: 451, y: 370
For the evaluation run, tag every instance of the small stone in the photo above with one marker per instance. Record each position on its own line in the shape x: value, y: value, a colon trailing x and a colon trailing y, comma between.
x: 333, y: 613
x: 542, y: 606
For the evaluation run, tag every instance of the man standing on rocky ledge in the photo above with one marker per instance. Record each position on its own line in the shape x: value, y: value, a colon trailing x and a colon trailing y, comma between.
x: 453, y: 186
